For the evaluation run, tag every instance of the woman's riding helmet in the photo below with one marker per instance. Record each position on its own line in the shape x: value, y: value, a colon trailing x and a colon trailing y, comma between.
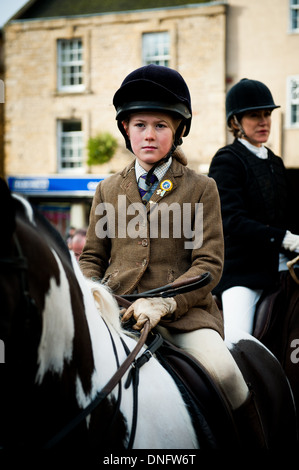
x: 154, y: 88
x: 248, y: 95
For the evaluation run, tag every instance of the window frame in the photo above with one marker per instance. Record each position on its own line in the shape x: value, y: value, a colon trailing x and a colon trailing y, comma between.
x: 76, y: 63
x: 294, y: 12
x: 161, y: 58
x: 293, y: 124
x: 79, y: 149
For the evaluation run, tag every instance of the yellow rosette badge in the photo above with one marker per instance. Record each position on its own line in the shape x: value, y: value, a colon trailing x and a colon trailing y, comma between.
x: 165, y: 185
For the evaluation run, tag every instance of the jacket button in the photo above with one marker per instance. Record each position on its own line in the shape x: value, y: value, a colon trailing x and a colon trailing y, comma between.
x: 144, y: 242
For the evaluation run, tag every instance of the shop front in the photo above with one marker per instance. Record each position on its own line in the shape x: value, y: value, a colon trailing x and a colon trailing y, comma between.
x: 64, y: 201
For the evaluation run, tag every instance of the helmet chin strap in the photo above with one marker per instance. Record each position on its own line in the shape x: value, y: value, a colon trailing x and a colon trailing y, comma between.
x: 177, y: 141
x: 239, y: 126
x: 163, y: 160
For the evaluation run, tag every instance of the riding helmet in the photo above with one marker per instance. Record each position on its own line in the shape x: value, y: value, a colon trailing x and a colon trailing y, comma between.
x: 248, y: 95
x: 153, y: 88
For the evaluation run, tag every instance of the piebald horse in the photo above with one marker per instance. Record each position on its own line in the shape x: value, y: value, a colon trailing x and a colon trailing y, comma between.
x: 63, y: 342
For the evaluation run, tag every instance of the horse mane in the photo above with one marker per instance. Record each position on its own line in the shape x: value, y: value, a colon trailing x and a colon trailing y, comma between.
x: 106, y: 304
x: 36, y: 218
x: 26, y: 208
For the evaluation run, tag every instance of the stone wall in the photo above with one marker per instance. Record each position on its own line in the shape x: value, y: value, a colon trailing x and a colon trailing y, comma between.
x: 112, y: 48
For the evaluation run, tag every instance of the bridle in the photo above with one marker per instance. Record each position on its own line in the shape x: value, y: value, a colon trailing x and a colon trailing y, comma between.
x: 20, y: 264
x: 15, y: 262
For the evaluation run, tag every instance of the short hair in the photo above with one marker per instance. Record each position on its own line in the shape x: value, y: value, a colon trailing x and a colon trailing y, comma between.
x: 80, y: 231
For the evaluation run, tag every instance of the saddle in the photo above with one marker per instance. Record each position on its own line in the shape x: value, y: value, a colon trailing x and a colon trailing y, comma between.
x: 277, y: 312
x: 277, y: 324
x: 211, y: 416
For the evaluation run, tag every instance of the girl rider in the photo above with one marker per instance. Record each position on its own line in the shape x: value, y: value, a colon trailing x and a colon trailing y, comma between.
x: 153, y: 112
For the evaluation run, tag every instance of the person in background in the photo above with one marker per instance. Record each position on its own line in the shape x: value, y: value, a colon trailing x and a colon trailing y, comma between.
x: 153, y: 112
x: 259, y: 220
x: 78, y: 241
x: 69, y: 236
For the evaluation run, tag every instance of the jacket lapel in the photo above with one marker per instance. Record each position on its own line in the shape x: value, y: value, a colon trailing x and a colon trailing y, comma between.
x: 130, y: 187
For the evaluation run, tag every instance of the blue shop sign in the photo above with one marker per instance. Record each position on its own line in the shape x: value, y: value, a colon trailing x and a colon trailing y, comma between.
x: 54, y: 186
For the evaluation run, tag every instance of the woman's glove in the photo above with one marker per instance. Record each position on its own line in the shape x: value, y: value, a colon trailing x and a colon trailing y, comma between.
x: 152, y: 309
x: 291, y: 242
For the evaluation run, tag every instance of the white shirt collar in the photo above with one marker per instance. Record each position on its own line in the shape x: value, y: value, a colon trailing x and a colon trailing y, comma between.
x: 260, y: 152
x: 159, y: 171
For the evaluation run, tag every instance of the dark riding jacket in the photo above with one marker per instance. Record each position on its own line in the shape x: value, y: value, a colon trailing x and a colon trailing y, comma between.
x: 128, y: 264
x: 256, y: 208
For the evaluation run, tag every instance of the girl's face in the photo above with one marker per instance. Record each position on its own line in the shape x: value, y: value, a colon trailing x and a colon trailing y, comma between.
x: 257, y: 126
x: 151, y: 135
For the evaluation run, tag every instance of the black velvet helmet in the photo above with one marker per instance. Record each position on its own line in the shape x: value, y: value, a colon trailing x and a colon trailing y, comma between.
x: 154, y: 88
x: 248, y: 95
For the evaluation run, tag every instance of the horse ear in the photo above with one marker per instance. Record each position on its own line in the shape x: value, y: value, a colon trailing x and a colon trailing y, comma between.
x: 7, y: 213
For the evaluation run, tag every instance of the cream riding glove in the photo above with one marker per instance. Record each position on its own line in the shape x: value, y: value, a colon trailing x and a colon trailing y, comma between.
x: 291, y: 242
x: 152, y: 309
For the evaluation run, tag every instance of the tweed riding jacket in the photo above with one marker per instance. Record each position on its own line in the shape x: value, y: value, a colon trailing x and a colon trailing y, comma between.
x: 146, y: 247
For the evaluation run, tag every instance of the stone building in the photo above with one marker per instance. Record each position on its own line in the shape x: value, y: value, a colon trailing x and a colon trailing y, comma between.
x: 2, y: 99
x: 64, y: 61
x: 263, y: 43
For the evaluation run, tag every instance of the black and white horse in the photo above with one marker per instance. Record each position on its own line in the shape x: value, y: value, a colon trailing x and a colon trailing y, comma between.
x: 63, y: 342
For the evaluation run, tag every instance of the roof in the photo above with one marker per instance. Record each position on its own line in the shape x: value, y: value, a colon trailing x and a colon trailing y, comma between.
x: 35, y: 9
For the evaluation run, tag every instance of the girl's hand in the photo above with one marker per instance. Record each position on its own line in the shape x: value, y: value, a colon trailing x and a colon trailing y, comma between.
x: 152, y: 309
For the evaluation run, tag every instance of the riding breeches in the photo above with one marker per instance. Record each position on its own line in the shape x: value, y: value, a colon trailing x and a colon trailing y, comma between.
x: 207, y: 346
x: 239, y: 305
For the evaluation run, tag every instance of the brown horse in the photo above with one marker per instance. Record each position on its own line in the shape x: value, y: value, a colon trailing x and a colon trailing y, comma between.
x: 63, y: 342
x: 277, y: 324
